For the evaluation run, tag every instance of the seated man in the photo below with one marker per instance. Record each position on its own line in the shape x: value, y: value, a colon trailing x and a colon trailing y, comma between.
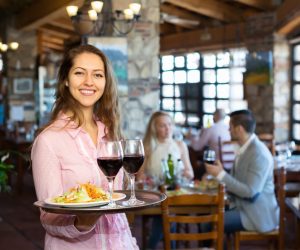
x: 253, y: 204
x: 210, y: 136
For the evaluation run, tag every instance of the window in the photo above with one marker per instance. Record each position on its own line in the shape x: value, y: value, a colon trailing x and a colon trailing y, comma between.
x: 295, y: 94
x: 193, y: 85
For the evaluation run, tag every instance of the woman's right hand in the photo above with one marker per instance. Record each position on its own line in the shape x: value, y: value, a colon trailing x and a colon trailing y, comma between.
x: 86, y: 222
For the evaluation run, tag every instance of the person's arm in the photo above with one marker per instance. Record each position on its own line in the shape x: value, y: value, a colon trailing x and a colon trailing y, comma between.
x: 198, y: 143
x: 257, y: 172
x: 48, y: 183
x: 188, y: 171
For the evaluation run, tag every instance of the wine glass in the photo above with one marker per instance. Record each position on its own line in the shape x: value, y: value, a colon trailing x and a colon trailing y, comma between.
x: 209, y: 156
x: 110, y: 160
x: 132, y: 162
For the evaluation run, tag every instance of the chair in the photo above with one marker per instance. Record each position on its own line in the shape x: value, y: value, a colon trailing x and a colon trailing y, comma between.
x: 278, y: 234
x: 227, y: 151
x: 268, y: 140
x: 209, y: 207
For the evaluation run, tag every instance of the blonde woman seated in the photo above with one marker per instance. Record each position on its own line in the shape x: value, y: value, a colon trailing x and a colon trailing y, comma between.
x: 159, y: 143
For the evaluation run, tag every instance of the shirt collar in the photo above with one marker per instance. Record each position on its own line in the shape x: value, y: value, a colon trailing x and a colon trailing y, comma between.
x: 73, y: 130
x: 246, y: 144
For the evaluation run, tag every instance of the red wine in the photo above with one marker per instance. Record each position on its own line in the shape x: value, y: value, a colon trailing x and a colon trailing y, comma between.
x: 132, y: 163
x: 110, y: 166
x: 210, y: 161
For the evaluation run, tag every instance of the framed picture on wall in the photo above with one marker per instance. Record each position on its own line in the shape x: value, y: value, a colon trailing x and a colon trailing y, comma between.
x: 115, y: 48
x: 22, y: 86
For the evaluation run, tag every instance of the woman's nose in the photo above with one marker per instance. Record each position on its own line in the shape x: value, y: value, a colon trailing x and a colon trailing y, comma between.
x: 89, y: 79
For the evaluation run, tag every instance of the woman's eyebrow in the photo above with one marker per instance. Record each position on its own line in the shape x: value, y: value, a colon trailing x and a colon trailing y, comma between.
x: 86, y: 69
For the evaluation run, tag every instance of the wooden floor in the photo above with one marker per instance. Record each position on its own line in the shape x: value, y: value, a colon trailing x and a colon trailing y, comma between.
x: 20, y: 227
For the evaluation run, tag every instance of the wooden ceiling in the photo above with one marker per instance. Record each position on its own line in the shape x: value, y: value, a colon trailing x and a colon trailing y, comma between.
x: 181, y: 20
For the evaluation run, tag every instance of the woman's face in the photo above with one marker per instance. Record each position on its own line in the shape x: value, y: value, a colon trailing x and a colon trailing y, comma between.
x: 163, y: 127
x: 86, y: 79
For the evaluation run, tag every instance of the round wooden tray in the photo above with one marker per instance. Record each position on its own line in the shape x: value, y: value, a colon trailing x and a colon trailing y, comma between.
x: 150, y: 198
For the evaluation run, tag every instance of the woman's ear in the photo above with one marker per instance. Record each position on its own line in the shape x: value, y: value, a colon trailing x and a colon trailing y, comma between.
x: 67, y: 84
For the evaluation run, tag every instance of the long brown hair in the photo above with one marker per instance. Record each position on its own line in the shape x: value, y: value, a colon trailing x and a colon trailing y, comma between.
x: 106, y: 109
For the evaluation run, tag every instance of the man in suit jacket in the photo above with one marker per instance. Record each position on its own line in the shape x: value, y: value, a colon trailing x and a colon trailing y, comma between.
x: 250, y: 183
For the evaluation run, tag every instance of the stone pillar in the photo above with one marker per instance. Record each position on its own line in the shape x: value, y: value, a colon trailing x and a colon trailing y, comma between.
x: 143, y: 72
x: 282, y: 89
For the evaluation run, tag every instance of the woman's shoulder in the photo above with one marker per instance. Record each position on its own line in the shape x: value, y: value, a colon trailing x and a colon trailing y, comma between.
x: 180, y: 143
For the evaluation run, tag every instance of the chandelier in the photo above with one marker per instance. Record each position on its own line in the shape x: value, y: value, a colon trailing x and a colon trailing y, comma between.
x: 89, y: 19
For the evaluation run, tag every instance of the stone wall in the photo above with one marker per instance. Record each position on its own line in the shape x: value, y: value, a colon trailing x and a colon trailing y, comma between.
x: 281, y: 94
x: 143, y: 72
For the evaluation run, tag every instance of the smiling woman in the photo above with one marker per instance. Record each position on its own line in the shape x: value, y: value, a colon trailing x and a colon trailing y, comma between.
x: 65, y: 152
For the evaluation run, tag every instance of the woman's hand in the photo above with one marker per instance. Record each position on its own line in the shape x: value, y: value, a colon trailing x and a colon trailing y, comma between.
x: 86, y: 222
x: 214, y: 169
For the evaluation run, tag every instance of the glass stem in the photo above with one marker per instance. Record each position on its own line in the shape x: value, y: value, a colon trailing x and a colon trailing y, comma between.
x: 132, y: 184
x: 110, y: 186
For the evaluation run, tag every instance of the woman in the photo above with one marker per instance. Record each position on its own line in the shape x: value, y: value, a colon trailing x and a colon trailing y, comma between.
x: 159, y: 143
x: 65, y: 152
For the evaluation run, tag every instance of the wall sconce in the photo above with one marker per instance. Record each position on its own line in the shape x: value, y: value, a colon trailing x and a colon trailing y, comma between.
x: 90, y: 19
x: 11, y: 46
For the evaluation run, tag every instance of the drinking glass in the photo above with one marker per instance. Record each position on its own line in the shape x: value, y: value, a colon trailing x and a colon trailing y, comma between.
x: 209, y: 156
x: 110, y: 160
x: 132, y: 162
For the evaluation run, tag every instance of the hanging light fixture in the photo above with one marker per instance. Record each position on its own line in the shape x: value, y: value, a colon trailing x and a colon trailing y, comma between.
x: 90, y: 19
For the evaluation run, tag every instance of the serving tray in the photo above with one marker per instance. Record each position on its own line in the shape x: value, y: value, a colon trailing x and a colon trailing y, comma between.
x: 151, y: 198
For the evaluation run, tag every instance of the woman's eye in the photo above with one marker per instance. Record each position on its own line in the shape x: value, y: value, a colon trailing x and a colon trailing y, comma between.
x: 99, y: 75
x: 78, y: 73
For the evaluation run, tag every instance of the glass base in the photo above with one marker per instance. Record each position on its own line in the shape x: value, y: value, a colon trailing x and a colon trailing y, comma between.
x: 112, y: 205
x: 132, y: 202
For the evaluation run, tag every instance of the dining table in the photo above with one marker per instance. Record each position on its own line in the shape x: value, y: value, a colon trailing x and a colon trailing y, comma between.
x: 293, y: 203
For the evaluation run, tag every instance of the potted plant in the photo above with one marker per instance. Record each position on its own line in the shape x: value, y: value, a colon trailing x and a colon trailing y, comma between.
x: 4, y: 169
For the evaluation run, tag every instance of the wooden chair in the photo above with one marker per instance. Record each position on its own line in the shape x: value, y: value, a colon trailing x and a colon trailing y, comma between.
x: 268, y: 139
x: 278, y: 234
x: 227, y: 151
x: 211, y: 209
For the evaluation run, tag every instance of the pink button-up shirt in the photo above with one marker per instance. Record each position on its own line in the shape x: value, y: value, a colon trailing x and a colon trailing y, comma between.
x: 63, y: 157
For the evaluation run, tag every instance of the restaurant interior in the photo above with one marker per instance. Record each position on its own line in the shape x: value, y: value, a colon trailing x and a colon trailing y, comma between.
x: 185, y: 57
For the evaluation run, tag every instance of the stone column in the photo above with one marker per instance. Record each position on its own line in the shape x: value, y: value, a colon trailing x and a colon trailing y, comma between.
x: 281, y: 94
x: 143, y: 72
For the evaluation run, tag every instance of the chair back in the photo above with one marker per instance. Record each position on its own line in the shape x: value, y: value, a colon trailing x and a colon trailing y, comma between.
x: 268, y: 140
x: 280, y: 181
x: 210, y: 209
x: 227, y: 152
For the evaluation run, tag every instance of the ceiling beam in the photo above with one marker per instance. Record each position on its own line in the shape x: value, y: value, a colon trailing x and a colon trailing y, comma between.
x: 63, y: 23
x: 211, y: 8
x: 42, y: 12
x: 51, y: 39
x: 54, y: 31
x: 211, y: 37
x: 259, y: 4
x: 288, y: 17
x: 179, y: 12
x: 53, y: 46
x: 188, y: 24
x: 166, y: 28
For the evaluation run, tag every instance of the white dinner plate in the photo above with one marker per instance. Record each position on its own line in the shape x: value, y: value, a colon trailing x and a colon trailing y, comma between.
x: 116, y: 197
